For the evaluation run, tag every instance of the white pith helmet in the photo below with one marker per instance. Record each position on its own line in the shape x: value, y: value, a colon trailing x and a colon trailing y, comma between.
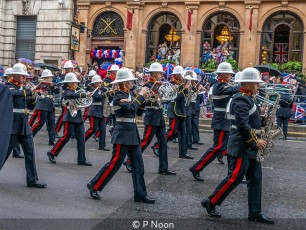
x: 114, y: 68
x: 238, y: 76
x: 70, y: 77
x: 68, y: 65
x: 156, y: 67
x: 46, y: 73
x: 19, y: 69
x: 189, y: 75
x: 92, y: 73
x: 124, y: 74
x: 250, y: 75
x: 177, y: 70
x: 7, y: 72
x: 225, y: 67
x: 96, y: 79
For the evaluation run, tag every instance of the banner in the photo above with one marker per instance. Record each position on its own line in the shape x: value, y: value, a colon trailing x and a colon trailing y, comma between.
x: 189, y: 20
x: 251, y: 19
x: 75, y: 38
x: 129, y: 21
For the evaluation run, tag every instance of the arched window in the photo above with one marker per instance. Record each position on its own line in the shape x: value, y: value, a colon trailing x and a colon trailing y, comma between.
x: 220, y: 38
x: 282, y: 39
x: 108, y: 24
x: 164, y: 38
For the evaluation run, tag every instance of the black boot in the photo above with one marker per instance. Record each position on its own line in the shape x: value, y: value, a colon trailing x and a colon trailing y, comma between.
x: 210, y: 208
x: 259, y: 218
x: 220, y: 159
x: 93, y: 193
x: 195, y: 174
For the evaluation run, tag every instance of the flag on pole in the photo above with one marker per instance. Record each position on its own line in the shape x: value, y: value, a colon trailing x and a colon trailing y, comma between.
x: 129, y: 21
x: 251, y: 19
x: 189, y: 20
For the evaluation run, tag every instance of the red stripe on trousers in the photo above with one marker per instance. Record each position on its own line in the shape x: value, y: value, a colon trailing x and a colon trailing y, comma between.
x: 198, y: 168
x: 98, y: 133
x: 85, y: 114
x: 171, y: 131
x: 33, y: 118
x: 145, y: 140
x: 229, y: 182
x: 91, y: 127
x: 224, y: 153
x: 59, y: 125
x: 38, y: 121
x: 109, y: 169
x: 61, y: 140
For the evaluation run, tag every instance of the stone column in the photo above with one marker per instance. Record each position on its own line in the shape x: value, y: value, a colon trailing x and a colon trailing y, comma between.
x: 83, y: 55
x: 248, y: 39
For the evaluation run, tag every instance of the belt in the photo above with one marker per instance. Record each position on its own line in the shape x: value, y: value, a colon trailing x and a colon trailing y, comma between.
x: 123, y: 119
x: 152, y: 107
x: 25, y: 111
x: 46, y: 96
x: 96, y: 103
x: 220, y: 109
x: 256, y: 131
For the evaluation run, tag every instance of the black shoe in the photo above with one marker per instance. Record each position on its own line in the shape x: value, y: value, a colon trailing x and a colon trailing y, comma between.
x: 220, y: 159
x: 96, y: 139
x: 166, y: 172
x: 128, y: 166
x: 195, y: 174
x: 155, y: 151
x: 37, y: 184
x: 198, y: 143
x: 85, y: 163
x: 57, y: 136
x: 193, y: 148
x: 175, y: 140
x: 186, y: 157
x: 259, y: 218
x: 104, y: 149
x: 210, y: 208
x: 144, y: 199
x: 51, y: 143
x: 93, y: 193
x: 18, y: 156
x: 51, y: 158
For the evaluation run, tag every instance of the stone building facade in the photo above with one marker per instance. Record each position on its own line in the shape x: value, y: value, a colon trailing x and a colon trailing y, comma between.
x: 260, y: 31
x: 35, y: 29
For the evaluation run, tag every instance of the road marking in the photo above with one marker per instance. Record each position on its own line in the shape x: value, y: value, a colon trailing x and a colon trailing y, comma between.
x: 267, y: 168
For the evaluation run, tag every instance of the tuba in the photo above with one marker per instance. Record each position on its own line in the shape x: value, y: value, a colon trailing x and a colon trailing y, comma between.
x: 77, y: 104
x: 164, y: 90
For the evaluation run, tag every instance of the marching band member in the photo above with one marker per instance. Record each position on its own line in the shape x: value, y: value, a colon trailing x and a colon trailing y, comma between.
x: 244, y: 143
x: 16, y: 149
x: 72, y: 125
x: 45, y: 110
x: 21, y: 131
x: 95, y: 113
x: 88, y: 88
x: 125, y: 139
x: 221, y: 94
x: 177, y: 113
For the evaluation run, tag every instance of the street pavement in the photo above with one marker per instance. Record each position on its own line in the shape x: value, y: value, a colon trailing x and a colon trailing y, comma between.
x: 66, y: 203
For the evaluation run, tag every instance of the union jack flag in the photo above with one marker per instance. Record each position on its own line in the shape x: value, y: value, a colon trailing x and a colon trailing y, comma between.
x: 287, y: 78
x: 300, y: 111
x: 281, y: 52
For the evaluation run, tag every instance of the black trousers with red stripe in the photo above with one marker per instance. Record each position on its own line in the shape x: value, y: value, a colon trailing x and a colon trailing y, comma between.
x: 160, y: 132
x: 219, y: 147
x: 85, y: 116
x: 69, y: 129
x: 239, y: 167
x: 109, y: 169
x: 177, y: 129
x: 97, y: 124
x: 59, y: 122
x: 43, y: 117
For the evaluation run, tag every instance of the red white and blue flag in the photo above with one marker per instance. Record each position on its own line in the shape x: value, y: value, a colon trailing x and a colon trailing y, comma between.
x: 281, y: 52
x: 287, y: 79
x: 300, y: 111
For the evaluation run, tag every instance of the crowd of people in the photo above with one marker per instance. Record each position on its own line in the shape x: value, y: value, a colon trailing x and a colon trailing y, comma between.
x: 114, y: 96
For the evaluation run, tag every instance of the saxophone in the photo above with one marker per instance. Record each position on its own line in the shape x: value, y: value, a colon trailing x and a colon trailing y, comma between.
x: 268, y: 133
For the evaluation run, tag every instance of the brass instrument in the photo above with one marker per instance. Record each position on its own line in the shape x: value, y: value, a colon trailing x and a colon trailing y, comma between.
x: 163, y: 91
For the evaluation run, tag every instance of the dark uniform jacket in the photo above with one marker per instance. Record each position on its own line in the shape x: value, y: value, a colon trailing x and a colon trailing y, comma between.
x: 46, y: 102
x: 177, y: 108
x: 126, y: 133
x: 221, y: 94
x: 153, y: 111
x: 22, y: 99
x: 72, y: 94
x: 285, y: 104
x: 246, y: 121
x: 96, y: 108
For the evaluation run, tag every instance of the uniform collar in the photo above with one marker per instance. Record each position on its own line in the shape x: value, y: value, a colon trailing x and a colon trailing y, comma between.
x: 247, y: 92
x: 16, y: 83
x: 71, y: 88
x: 222, y: 80
x: 124, y: 89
